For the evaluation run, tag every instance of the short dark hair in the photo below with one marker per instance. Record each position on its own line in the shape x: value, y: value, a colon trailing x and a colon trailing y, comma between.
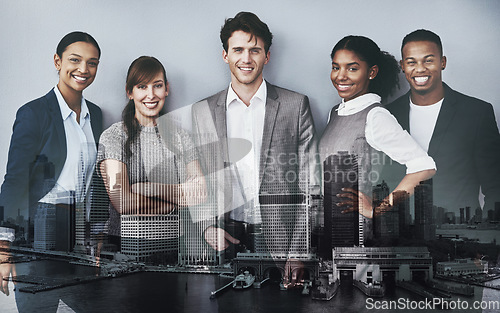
x: 422, y: 35
x: 367, y: 50
x: 249, y: 23
x: 76, y: 37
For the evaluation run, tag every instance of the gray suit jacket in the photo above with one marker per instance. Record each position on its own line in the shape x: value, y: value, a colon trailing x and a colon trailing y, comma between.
x: 288, y: 149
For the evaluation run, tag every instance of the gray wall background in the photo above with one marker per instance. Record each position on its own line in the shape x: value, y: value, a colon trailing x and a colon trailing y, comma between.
x: 184, y: 35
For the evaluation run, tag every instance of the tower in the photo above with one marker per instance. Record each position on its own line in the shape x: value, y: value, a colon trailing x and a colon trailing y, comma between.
x: 386, y: 219
x: 341, y: 229
x: 425, y: 227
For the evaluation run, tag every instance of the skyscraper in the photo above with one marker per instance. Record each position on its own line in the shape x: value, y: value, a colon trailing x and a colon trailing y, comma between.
x: 341, y: 229
x: 91, y: 217
x: 45, y: 227
x: 401, y: 200
x: 386, y: 219
x: 194, y: 220
x: 380, y: 192
x: 43, y: 216
x: 479, y: 215
x: 425, y: 227
x: 286, y: 225
x: 497, y: 211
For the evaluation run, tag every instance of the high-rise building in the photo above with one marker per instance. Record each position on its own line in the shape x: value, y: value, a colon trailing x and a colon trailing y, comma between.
x: 43, y: 217
x: 425, y: 227
x: 193, y: 250
x: 194, y: 220
x: 450, y: 218
x: 440, y: 219
x: 147, y: 236
x: 286, y: 225
x: 91, y: 217
x: 467, y: 214
x: 341, y: 229
x: 317, y: 222
x: 66, y: 221
x: 491, y: 215
x: 45, y: 227
x: 380, y: 192
x: 386, y: 219
x: 462, y: 216
x: 401, y: 201
x: 478, y: 217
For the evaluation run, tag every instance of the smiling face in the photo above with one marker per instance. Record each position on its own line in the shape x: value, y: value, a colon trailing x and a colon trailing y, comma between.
x: 246, y: 58
x: 149, y: 99
x: 77, y: 67
x: 422, y: 64
x: 350, y: 75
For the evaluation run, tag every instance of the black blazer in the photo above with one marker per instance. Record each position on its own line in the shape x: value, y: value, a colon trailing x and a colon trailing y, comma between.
x: 38, y: 131
x: 465, y: 145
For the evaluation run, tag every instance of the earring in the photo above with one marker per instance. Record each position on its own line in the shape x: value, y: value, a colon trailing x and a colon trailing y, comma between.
x: 370, y: 77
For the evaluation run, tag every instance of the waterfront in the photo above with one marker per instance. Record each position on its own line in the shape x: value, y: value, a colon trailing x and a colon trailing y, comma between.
x: 481, y: 235
x: 179, y: 292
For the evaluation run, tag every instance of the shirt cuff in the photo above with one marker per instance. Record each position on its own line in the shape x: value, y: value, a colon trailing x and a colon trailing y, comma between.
x: 420, y: 164
x: 7, y: 234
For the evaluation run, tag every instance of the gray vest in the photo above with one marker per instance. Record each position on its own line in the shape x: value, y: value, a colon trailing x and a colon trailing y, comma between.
x: 347, y: 133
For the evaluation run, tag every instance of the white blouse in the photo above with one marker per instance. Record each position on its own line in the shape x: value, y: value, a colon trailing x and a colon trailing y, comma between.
x: 383, y: 133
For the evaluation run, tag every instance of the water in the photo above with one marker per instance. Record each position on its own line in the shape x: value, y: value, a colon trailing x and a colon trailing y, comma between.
x: 171, y: 292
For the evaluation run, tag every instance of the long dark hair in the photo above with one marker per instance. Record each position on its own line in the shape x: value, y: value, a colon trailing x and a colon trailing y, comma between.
x: 142, y: 71
x: 367, y: 50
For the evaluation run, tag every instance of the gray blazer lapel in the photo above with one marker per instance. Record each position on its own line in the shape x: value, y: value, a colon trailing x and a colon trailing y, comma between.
x: 219, y: 116
x: 272, y: 106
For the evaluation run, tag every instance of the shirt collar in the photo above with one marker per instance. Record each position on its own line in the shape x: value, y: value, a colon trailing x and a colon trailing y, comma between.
x: 358, y: 104
x: 434, y: 104
x: 65, y: 110
x: 261, y: 94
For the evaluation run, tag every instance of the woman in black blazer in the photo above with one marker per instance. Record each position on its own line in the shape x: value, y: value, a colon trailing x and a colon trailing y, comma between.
x: 50, y: 136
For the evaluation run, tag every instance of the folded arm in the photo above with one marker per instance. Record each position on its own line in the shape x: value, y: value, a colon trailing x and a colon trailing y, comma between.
x: 121, y: 195
x: 191, y: 192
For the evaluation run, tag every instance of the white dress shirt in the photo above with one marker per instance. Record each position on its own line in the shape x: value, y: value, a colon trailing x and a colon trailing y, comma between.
x: 383, y: 133
x: 423, y: 120
x: 246, y: 122
x: 80, y: 154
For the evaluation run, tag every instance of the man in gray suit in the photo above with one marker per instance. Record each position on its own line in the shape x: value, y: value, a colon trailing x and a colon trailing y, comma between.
x: 265, y: 137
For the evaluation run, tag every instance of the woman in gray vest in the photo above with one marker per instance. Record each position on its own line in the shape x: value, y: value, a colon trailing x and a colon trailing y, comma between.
x: 360, y: 131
